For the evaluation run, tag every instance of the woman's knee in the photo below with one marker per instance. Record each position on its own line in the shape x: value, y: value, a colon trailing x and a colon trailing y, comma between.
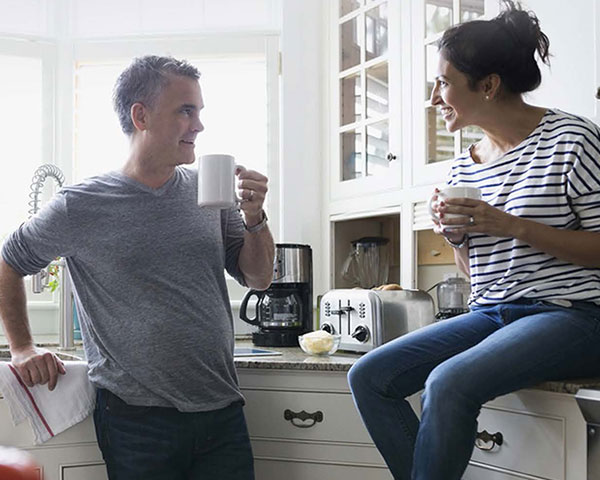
x: 448, y: 382
x: 359, y: 376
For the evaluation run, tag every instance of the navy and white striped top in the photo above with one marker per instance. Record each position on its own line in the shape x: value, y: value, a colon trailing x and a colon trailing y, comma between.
x: 551, y: 177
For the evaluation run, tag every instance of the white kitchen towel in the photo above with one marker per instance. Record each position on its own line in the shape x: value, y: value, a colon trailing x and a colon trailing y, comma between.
x: 49, y: 412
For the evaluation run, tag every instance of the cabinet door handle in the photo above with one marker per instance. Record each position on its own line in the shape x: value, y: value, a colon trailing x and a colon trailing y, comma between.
x: 391, y: 157
x: 487, y: 441
x: 302, y: 417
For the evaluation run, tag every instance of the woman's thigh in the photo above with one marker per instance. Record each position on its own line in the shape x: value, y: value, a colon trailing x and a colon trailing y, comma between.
x: 543, y: 343
x: 402, y: 365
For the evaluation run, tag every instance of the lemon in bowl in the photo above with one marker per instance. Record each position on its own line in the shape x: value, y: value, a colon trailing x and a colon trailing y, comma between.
x: 319, y: 342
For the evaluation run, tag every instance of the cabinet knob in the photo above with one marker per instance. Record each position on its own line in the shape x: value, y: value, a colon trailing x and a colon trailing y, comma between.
x: 391, y: 156
x: 487, y: 441
x: 598, y: 93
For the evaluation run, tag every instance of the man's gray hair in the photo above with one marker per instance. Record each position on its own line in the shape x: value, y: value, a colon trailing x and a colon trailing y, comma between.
x: 143, y: 81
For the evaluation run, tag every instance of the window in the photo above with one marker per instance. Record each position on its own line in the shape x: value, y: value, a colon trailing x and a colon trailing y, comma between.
x: 21, y: 126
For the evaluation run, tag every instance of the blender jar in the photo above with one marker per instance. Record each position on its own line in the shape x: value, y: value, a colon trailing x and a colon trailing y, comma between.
x: 367, y: 265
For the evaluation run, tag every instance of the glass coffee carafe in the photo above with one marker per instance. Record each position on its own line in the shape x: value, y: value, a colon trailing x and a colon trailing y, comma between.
x: 368, y: 263
x: 276, y: 308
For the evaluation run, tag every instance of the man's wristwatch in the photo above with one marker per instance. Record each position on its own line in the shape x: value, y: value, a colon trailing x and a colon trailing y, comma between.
x: 460, y: 244
x: 259, y: 226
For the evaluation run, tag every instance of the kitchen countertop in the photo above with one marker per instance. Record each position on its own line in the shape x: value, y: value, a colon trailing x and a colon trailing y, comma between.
x: 293, y: 358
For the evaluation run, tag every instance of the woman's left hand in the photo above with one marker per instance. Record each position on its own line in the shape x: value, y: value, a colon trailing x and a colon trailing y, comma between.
x: 481, y: 217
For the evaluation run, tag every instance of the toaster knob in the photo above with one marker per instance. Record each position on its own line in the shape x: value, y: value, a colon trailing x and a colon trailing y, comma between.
x: 361, y: 333
x: 328, y: 327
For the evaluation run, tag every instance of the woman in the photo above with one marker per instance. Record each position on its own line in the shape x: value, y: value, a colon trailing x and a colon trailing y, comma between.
x: 531, y: 249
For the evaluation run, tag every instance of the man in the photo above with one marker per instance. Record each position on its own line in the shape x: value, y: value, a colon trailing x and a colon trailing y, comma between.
x: 147, y: 266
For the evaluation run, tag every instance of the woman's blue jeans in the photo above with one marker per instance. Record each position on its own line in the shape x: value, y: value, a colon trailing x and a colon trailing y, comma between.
x: 462, y: 363
x: 155, y: 443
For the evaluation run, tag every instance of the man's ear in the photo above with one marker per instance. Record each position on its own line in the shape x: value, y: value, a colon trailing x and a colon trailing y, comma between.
x: 139, y: 116
x: 490, y: 86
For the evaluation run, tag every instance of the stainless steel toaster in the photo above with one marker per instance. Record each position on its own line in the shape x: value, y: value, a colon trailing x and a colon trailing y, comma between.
x: 367, y: 318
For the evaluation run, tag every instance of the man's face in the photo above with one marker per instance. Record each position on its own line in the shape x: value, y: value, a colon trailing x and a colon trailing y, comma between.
x: 457, y: 102
x: 173, y: 122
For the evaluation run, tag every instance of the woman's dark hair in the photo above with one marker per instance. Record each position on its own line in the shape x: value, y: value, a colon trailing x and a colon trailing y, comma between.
x: 505, y: 45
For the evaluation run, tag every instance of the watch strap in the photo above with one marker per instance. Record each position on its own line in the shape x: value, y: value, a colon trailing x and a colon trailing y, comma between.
x: 259, y: 226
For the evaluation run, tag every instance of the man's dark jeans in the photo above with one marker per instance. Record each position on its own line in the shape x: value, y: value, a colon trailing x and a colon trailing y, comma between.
x: 155, y: 443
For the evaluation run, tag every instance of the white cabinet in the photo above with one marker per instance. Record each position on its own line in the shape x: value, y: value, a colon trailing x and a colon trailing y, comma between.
x: 543, y: 437
x: 304, y: 423
x: 71, y: 455
x: 366, y: 86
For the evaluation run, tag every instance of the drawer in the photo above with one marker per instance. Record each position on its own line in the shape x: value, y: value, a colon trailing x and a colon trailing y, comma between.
x: 327, y: 416
x: 478, y: 472
x: 532, y: 444
x: 273, y: 469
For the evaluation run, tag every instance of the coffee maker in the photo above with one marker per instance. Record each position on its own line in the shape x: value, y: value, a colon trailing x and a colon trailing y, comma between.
x: 284, y: 310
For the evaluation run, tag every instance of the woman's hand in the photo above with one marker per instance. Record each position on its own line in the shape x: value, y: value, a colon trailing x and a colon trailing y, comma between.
x: 481, y: 218
x: 451, y: 234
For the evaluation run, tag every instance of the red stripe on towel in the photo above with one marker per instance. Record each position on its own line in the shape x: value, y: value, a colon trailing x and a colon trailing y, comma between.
x: 37, y: 410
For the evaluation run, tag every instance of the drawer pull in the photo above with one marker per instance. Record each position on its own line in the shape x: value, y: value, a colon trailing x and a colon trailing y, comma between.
x: 487, y: 441
x: 303, y: 417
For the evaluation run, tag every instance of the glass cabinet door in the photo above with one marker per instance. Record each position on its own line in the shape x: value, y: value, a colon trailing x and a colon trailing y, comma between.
x: 439, y: 145
x: 365, y: 158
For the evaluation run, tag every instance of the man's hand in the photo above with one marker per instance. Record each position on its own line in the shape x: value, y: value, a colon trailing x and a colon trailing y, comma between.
x: 253, y: 190
x: 37, y: 366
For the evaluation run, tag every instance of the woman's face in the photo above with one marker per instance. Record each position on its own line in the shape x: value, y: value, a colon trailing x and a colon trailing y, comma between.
x: 458, y: 104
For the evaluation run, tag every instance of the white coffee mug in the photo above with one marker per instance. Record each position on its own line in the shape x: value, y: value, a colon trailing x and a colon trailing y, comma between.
x: 453, y: 192
x: 216, y: 181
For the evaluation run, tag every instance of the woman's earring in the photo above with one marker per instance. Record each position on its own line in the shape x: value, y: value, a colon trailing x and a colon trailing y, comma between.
x: 487, y: 97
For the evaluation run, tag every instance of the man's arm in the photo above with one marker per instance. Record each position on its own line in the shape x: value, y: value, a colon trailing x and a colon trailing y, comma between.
x: 34, y: 365
x: 256, y: 257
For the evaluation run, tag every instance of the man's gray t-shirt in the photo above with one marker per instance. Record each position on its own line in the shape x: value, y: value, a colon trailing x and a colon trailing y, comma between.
x: 148, y: 273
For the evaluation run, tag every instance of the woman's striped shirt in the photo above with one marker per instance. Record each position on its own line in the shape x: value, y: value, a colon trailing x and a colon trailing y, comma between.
x: 551, y: 177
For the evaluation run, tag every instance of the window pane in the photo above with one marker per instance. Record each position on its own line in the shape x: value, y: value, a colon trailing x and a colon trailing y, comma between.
x: 349, y: 44
x: 378, y: 147
x: 346, y: 6
x: 471, y: 9
x: 99, y: 144
x: 235, y: 110
x: 376, y: 32
x: 351, y: 148
x: 438, y: 16
x: 350, y: 99
x: 377, y: 90
x: 21, y: 127
x: 431, y: 63
x: 440, y: 142
x: 469, y: 136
